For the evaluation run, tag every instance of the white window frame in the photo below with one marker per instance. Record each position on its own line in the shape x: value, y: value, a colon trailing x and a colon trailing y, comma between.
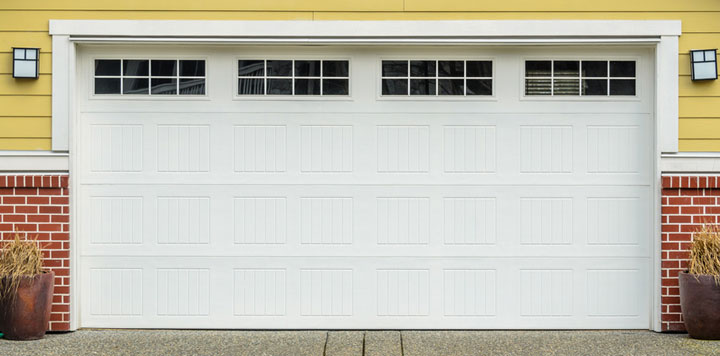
x: 639, y: 91
x: 293, y: 96
x: 149, y: 77
x: 662, y: 34
x: 437, y: 79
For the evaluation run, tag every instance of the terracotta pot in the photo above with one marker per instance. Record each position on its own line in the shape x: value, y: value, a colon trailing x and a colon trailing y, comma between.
x: 26, y: 317
x: 700, y: 301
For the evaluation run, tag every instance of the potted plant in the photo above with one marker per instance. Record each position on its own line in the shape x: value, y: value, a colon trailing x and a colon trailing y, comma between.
x: 700, y: 285
x: 26, y: 290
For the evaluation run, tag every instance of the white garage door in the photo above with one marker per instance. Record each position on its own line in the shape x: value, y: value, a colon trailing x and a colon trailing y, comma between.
x: 365, y: 187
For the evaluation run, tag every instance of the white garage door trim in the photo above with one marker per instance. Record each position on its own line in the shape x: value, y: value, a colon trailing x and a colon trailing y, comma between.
x: 663, y: 34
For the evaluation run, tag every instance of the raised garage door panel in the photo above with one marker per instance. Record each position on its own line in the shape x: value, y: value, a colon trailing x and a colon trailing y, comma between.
x: 365, y: 212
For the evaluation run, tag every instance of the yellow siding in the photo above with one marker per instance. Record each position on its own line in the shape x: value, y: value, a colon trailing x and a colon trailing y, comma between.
x: 25, y: 104
x: 25, y: 144
x: 26, y: 127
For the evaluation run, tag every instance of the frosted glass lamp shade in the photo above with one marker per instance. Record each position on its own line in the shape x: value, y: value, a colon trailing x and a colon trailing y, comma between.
x: 704, y: 64
x: 25, y: 62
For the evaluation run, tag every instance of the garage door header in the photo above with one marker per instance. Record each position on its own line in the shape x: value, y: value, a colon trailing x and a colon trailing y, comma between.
x: 363, y: 29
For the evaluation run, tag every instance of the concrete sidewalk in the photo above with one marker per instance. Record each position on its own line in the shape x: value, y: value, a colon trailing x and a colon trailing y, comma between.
x: 358, y: 343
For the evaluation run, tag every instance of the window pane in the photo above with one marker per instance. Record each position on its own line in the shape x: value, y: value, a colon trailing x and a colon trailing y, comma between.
x: 307, y: 86
x: 594, y: 86
x: 394, y: 68
x: 107, y: 85
x: 394, y: 87
x: 251, y: 86
x: 479, y: 68
x: 622, y: 86
x: 709, y: 55
x: 567, y: 68
x: 422, y: 87
x: 422, y: 68
x: 622, y: 69
x: 251, y: 68
x: 307, y: 69
x: 698, y: 56
x: 479, y: 87
x: 192, y: 69
x: 192, y: 86
x: 451, y: 87
x: 107, y: 67
x: 537, y: 87
x: 136, y: 67
x: 163, y: 68
x: 135, y: 86
x: 451, y: 68
x: 566, y: 87
x: 163, y: 86
x: 594, y: 68
x: 537, y: 68
x: 336, y: 87
x: 277, y: 68
x: 279, y: 86
x: 335, y: 68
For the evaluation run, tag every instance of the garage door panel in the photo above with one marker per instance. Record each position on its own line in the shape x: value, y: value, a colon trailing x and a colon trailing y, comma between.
x: 503, y: 212
x: 368, y: 220
x: 255, y: 292
x: 452, y: 152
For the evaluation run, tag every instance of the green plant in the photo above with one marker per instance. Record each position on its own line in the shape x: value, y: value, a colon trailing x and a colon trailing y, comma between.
x: 20, y: 258
x: 705, y: 252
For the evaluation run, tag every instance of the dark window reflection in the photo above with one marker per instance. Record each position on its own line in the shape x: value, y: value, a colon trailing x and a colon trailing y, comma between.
x: 422, y: 87
x: 277, y: 68
x: 251, y: 68
x: 251, y: 86
x: 394, y: 87
x: 135, y: 86
x: 133, y: 67
x: 192, y: 86
x: 163, y: 86
x: 336, y: 87
x: 107, y: 85
x: 107, y: 67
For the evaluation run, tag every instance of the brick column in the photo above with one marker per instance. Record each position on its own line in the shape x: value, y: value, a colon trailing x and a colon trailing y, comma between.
x: 37, y: 205
x: 687, y: 203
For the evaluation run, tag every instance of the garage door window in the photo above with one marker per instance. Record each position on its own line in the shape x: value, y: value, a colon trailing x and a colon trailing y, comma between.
x: 436, y: 77
x: 150, y: 77
x: 293, y: 77
x: 579, y: 78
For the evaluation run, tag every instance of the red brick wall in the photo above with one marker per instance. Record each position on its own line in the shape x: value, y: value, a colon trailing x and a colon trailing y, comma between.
x: 687, y: 203
x: 38, y: 205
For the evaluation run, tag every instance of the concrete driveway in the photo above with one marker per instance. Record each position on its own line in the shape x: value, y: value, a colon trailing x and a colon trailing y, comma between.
x: 358, y: 343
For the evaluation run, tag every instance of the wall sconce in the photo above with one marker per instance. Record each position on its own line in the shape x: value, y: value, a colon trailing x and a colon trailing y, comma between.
x: 704, y: 64
x: 25, y: 62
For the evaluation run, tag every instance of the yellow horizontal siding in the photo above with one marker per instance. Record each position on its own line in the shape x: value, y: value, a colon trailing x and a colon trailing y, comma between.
x: 691, y: 21
x: 218, y: 5
x: 25, y: 144
x: 41, y: 40
x: 690, y: 41
x: 699, y: 107
x: 560, y: 5
x: 26, y: 127
x: 21, y: 86
x: 25, y: 23
x: 12, y: 106
x: 699, y: 88
x: 698, y: 145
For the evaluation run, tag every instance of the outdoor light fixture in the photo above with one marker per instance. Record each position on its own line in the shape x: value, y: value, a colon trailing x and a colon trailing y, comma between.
x: 704, y: 64
x: 25, y: 62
